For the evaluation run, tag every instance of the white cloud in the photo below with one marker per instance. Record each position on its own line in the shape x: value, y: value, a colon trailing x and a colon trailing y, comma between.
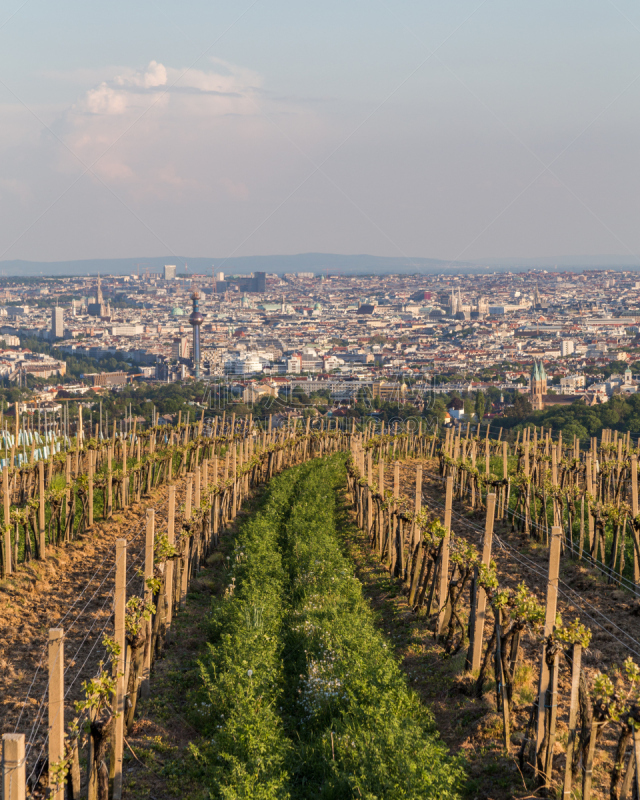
x: 163, y: 131
x: 105, y: 100
x: 155, y: 75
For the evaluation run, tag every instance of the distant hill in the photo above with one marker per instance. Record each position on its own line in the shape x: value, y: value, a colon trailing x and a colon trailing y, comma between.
x: 305, y: 262
x: 562, y: 263
x: 310, y: 262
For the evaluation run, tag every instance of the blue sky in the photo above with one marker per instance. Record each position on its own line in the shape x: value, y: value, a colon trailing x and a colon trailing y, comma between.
x: 449, y: 130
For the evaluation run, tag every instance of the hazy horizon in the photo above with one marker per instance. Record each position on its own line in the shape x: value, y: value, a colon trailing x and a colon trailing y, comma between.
x: 319, y: 263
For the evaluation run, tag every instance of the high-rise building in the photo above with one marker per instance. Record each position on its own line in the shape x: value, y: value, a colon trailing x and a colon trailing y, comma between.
x: 567, y: 347
x: 260, y: 282
x: 256, y: 282
x: 169, y: 272
x: 180, y: 347
x: 57, y: 323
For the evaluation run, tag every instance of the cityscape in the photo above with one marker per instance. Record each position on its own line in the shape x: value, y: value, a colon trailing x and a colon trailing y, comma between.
x: 301, y: 343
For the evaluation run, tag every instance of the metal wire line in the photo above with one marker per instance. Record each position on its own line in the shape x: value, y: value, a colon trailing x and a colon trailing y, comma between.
x: 46, y: 739
x: 45, y: 647
x: 40, y: 717
x: 598, y: 565
x: 44, y: 652
x: 606, y: 570
x: 567, y: 592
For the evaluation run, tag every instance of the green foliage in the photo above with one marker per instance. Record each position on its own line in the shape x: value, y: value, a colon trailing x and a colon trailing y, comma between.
x: 620, y: 413
x: 242, y: 676
x: 299, y: 696
x: 575, y: 633
x: 77, y: 365
x: 137, y: 612
x: 479, y: 406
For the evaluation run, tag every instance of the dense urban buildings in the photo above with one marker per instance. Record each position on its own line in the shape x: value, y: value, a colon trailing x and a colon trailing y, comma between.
x: 555, y: 338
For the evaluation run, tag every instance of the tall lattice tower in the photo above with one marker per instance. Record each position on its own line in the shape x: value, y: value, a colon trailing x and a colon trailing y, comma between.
x: 195, y: 320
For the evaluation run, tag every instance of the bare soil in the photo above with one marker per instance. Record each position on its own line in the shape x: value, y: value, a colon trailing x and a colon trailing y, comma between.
x: 71, y: 588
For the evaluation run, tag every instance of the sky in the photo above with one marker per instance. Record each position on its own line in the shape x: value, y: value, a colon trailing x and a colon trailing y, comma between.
x: 458, y: 130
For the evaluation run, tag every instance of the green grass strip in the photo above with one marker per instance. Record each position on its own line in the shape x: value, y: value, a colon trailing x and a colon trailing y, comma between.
x: 300, y: 696
x: 242, y: 675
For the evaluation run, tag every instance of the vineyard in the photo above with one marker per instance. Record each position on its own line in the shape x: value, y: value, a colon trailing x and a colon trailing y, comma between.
x: 516, y: 566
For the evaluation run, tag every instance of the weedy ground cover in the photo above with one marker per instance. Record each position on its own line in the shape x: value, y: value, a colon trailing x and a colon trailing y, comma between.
x: 298, y: 695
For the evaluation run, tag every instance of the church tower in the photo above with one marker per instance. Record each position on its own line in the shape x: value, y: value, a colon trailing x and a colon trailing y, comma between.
x: 537, y: 302
x: 538, y: 386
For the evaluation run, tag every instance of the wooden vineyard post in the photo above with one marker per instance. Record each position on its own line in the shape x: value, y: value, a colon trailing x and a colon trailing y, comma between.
x: 7, y: 522
x: 417, y: 506
x: 188, y: 498
x: 396, y: 534
x: 576, y: 663
x: 109, y: 508
x: 67, y: 475
x: 148, y: 597
x: 589, y: 513
x: 381, y: 477
x: 636, y: 759
x: 41, y: 509
x: 14, y: 772
x: 124, y: 473
x: 90, y: 487
x: 196, y: 492
x: 444, y: 558
x: 505, y: 476
x: 554, y: 481
x: 634, y: 512
x: 184, y: 582
x: 479, y: 613
x: 120, y: 604
x: 171, y: 538
x: 549, y: 624
x: 56, y: 710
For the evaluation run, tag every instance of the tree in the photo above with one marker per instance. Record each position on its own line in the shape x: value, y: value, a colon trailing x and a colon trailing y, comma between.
x: 521, y: 406
x: 468, y: 407
x: 574, y: 428
x: 480, y: 406
x: 301, y: 396
x: 435, y: 408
